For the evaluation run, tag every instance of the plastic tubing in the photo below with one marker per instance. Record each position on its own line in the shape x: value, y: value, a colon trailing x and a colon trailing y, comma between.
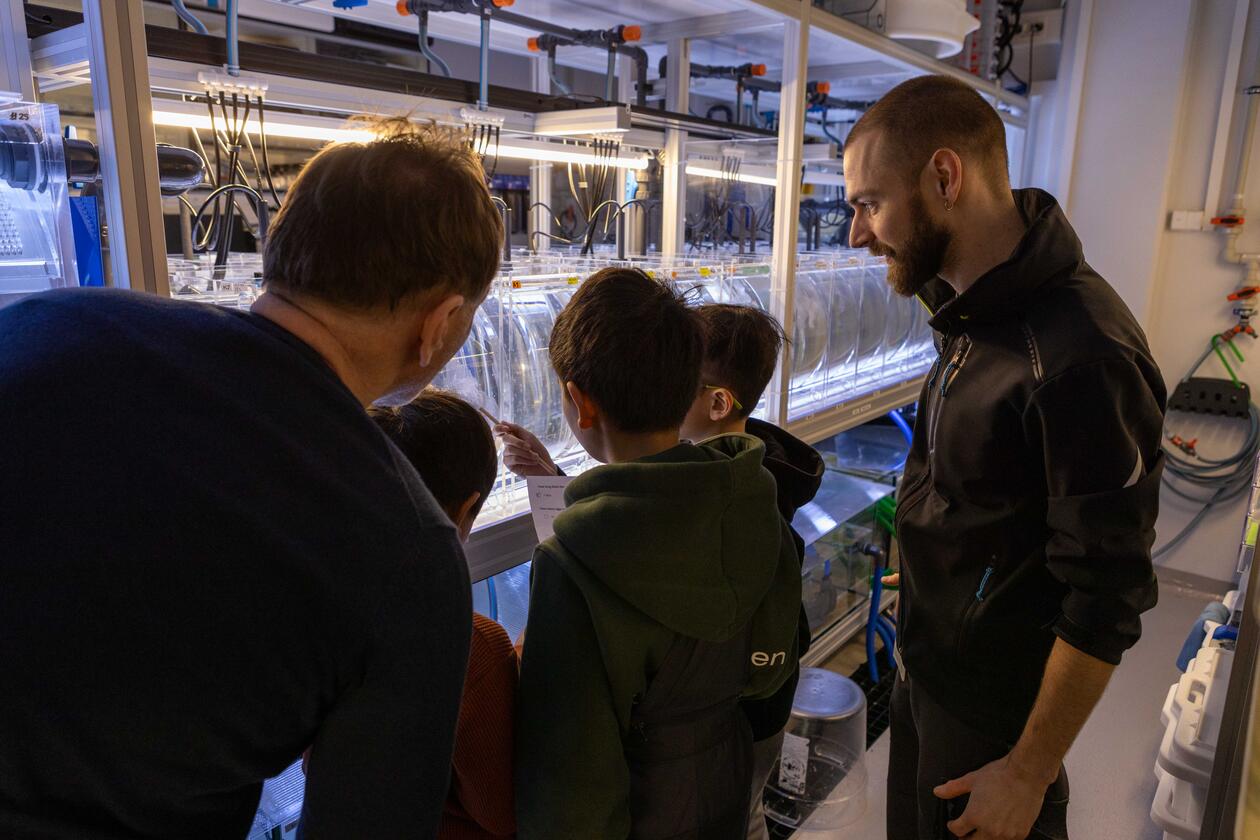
x: 901, y: 423
x: 426, y: 50
x: 189, y: 18
x: 233, y: 43
x: 493, y: 596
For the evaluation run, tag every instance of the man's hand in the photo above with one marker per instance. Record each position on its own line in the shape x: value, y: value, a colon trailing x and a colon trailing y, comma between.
x: 523, y: 453
x: 891, y: 579
x: 1004, y: 803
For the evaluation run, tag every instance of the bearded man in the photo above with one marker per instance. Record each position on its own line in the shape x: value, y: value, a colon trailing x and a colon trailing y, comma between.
x: 1026, y: 513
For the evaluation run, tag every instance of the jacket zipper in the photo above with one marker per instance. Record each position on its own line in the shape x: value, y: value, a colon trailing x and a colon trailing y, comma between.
x: 913, y: 494
x: 984, y: 581
x: 972, y: 604
x: 947, y: 375
x: 956, y: 364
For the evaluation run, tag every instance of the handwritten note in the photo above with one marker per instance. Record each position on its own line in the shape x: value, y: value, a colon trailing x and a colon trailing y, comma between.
x: 546, y: 500
x: 794, y: 763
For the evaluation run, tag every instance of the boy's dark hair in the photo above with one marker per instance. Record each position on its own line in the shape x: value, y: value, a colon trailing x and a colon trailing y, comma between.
x: 927, y: 113
x: 634, y: 346
x: 369, y: 225
x: 447, y: 441
x: 741, y: 348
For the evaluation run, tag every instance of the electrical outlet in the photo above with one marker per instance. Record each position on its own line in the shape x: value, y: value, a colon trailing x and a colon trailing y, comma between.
x: 1040, y: 27
x: 1185, y: 220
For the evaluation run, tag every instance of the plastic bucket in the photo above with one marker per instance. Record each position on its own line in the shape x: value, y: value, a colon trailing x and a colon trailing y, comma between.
x: 817, y: 787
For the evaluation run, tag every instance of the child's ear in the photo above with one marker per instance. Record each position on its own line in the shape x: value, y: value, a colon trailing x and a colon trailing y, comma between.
x: 587, y: 411
x: 721, y: 405
x: 465, y: 515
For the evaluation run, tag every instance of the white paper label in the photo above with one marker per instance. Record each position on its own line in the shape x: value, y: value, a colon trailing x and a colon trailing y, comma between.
x: 546, y: 500
x: 793, y: 763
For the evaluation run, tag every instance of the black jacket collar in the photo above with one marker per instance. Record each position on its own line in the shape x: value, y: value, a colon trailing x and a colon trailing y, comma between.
x: 1049, y: 247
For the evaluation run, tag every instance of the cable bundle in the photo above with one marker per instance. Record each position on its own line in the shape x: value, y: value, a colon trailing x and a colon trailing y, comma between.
x: 1210, y: 481
x: 228, y: 131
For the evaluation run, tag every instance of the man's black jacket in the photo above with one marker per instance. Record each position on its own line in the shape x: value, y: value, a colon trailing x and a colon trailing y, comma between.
x: 1028, y: 505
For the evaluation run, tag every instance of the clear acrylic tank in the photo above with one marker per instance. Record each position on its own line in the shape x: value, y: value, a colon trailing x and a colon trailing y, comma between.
x: 875, y: 338
x: 851, y: 335
x: 504, y: 366
x: 36, y: 248
x: 236, y: 283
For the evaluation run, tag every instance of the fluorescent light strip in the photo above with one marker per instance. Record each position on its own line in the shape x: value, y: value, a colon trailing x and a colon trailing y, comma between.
x: 539, y: 152
x: 175, y: 119
x: 706, y: 172
x: 558, y: 154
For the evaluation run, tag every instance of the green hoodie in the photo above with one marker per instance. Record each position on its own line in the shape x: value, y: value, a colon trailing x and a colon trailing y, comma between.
x: 688, y: 542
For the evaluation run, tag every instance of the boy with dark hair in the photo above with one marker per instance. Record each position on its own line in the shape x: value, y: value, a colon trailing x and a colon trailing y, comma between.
x: 741, y: 348
x: 450, y: 445
x: 669, y: 590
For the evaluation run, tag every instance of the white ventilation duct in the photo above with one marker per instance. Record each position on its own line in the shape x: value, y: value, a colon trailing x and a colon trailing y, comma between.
x: 935, y: 27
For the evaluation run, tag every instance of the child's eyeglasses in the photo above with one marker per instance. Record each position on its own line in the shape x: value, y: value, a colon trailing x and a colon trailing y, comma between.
x: 738, y: 407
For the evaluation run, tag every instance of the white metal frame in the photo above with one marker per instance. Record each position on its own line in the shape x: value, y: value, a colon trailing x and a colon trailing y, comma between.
x: 674, y: 182
x: 118, y: 57
x: 15, y: 56
x: 540, y: 173
x: 787, y: 198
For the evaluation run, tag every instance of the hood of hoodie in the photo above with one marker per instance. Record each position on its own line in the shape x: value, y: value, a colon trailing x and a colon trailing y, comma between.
x: 1048, y: 248
x: 796, y: 466
x: 689, y: 536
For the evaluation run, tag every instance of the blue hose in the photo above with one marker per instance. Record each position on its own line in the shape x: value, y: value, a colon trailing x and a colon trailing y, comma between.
x: 872, y: 667
x: 189, y: 18
x: 493, y: 595
x: 876, y: 625
x: 896, y: 417
x: 889, y: 640
x: 233, y: 44
x: 872, y: 620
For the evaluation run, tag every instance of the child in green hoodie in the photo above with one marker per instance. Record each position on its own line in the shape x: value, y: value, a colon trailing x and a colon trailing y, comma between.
x: 741, y: 349
x: 670, y: 590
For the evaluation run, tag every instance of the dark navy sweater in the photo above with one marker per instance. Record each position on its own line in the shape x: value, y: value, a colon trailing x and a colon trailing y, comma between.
x: 210, y: 559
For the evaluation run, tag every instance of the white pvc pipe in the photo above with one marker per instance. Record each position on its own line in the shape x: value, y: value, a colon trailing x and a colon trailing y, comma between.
x: 1244, y: 157
x: 1229, y: 88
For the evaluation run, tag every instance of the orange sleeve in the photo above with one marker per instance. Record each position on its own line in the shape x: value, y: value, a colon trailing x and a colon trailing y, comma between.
x: 482, y: 766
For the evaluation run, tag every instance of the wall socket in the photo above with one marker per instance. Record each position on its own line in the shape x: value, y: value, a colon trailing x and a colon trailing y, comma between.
x: 1185, y: 220
x: 1040, y: 27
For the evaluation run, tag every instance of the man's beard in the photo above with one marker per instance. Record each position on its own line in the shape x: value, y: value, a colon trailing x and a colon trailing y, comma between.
x: 911, y: 267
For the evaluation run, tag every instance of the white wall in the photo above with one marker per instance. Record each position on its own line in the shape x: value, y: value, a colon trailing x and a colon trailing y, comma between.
x: 1127, y: 123
x: 1188, y: 301
x: 1149, y: 102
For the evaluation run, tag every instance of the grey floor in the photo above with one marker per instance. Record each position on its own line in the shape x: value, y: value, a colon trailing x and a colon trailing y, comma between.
x: 1111, y: 766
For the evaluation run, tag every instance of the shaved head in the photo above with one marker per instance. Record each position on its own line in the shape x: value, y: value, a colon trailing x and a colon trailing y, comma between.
x: 927, y: 113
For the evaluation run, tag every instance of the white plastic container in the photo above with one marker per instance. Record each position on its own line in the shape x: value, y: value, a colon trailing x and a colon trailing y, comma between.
x: 817, y: 788
x: 1210, y: 667
x: 1178, y: 807
x: 1192, y: 717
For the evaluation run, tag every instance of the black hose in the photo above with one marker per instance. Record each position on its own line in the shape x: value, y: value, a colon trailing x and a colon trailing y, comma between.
x: 262, y: 142
x: 730, y: 115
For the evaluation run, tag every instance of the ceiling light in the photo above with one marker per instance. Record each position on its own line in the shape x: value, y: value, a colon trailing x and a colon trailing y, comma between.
x: 318, y: 129
x: 275, y: 128
x: 703, y: 171
x: 518, y: 149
